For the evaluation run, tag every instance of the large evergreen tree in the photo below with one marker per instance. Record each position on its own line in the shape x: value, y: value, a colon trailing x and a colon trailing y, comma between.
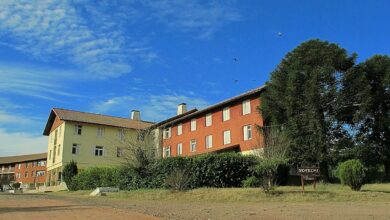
x: 301, y: 97
x: 366, y: 99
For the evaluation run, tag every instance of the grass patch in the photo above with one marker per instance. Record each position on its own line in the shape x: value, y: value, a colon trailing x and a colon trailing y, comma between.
x: 323, y: 193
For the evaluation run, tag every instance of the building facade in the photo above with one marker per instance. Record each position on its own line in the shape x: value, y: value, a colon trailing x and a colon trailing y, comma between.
x: 226, y: 126
x: 28, y: 170
x: 88, y: 139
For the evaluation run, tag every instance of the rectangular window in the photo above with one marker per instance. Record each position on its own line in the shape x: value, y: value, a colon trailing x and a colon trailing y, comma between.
x: 179, y: 129
x: 55, y: 137
x: 98, y: 151
x: 26, y: 174
x: 226, y: 114
x: 58, y: 150
x: 167, y: 133
x: 193, y: 145
x: 179, y: 149
x: 75, y: 149
x: 209, y: 120
x: 40, y: 173
x: 193, y: 125
x: 100, y: 132
x: 49, y: 158
x: 209, y: 141
x: 121, y: 134
x: 78, y: 129
x: 246, y: 107
x: 35, y: 164
x: 32, y: 173
x: 19, y: 166
x: 119, y: 152
x: 247, y: 132
x: 167, y: 152
x: 226, y: 137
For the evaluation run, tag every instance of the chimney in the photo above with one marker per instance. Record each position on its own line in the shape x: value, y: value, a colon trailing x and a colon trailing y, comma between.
x: 135, y: 115
x: 181, y: 108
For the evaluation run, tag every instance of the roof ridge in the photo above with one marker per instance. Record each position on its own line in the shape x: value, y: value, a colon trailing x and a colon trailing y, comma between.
x: 92, y: 113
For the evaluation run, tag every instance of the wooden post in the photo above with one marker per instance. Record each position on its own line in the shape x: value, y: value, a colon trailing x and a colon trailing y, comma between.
x: 303, y: 183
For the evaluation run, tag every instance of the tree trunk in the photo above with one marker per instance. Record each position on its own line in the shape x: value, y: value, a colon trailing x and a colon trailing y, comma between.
x: 324, y: 171
x: 387, y: 170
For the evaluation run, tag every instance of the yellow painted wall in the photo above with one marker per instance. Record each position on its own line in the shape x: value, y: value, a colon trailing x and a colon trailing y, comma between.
x: 88, y: 140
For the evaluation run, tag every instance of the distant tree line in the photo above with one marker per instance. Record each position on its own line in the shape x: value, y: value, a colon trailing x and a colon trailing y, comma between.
x: 330, y: 107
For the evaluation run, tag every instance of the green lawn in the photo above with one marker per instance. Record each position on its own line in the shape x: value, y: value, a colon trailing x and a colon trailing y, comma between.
x: 324, y: 192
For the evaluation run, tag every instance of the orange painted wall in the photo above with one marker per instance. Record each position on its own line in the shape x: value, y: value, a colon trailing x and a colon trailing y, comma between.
x: 235, y: 125
x: 29, y: 169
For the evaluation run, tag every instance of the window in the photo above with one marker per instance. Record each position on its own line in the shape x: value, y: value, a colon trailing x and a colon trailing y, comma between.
x: 35, y: 164
x: 26, y: 164
x: 179, y: 129
x: 209, y: 141
x: 121, y: 134
x: 193, y: 145
x: 119, y: 152
x: 41, y: 163
x: 100, y: 132
x: 167, y: 152
x: 40, y: 173
x: 32, y: 173
x: 247, y: 132
x: 55, y: 137
x: 26, y: 174
x: 209, y: 120
x: 98, y: 151
x: 226, y: 114
x: 19, y: 166
x: 58, y: 150
x: 49, y: 158
x: 54, y: 154
x: 78, y: 129
x: 246, y: 107
x: 10, y: 167
x: 193, y: 125
x: 75, y: 149
x: 167, y: 133
x: 179, y: 149
x: 226, y: 137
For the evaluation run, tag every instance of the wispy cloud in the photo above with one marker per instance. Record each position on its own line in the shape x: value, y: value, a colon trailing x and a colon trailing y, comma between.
x: 202, y: 19
x: 18, y: 143
x: 152, y: 107
x: 34, y: 82
x: 54, y: 30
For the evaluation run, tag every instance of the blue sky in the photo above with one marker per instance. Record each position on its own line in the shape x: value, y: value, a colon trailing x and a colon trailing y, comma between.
x: 114, y: 56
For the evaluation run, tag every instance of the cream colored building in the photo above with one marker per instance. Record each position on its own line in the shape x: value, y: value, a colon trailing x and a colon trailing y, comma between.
x: 87, y: 138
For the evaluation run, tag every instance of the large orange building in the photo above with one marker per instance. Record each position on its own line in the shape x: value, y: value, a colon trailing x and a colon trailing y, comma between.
x: 226, y: 126
x: 29, y: 170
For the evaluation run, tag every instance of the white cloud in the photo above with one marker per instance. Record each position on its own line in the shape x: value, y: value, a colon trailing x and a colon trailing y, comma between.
x: 152, y: 107
x: 14, y: 143
x: 34, y: 82
x: 203, y: 19
x: 55, y: 30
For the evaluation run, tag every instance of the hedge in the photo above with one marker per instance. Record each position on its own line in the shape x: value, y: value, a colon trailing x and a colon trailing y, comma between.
x: 210, y: 170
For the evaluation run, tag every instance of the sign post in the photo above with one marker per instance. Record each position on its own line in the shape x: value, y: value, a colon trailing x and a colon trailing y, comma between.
x: 309, y: 173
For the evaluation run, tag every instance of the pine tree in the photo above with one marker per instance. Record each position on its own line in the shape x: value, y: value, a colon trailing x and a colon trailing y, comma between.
x: 301, y: 97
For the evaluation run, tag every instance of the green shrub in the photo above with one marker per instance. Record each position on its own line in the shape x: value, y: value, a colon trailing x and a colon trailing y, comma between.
x: 352, y: 173
x: 178, y: 180
x: 16, y: 185
x: 69, y: 171
x: 251, y: 182
x: 93, y: 177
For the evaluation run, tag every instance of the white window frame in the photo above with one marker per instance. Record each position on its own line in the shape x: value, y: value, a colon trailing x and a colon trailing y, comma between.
x: 209, y: 141
x: 209, y: 119
x: 247, y: 132
x: 167, y: 133
x: 78, y: 129
x: 193, y: 124
x: 179, y: 149
x: 180, y: 129
x: 227, y: 139
x: 246, y: 107
x: 100, y: 132
x: 226, y: 114
x: 193, y: 145
x: 99, y: 151
x: 167, y: 152
x: 77, y: 147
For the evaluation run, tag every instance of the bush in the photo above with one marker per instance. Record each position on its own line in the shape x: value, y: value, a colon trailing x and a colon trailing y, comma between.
x: 251, y: 182
x: 178, y: 180
x: 15, y: 185
x: 69, y: 171
x: 93, y: 177
x: 352, y: 173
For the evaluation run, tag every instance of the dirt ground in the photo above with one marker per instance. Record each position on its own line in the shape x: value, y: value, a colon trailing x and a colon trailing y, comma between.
x: 45, y: 206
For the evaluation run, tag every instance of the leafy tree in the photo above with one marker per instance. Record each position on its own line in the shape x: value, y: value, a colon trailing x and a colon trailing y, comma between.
x: 352, y: 173
x: 366, y: 98
x: 301, y: 97
x: 68, y: 172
